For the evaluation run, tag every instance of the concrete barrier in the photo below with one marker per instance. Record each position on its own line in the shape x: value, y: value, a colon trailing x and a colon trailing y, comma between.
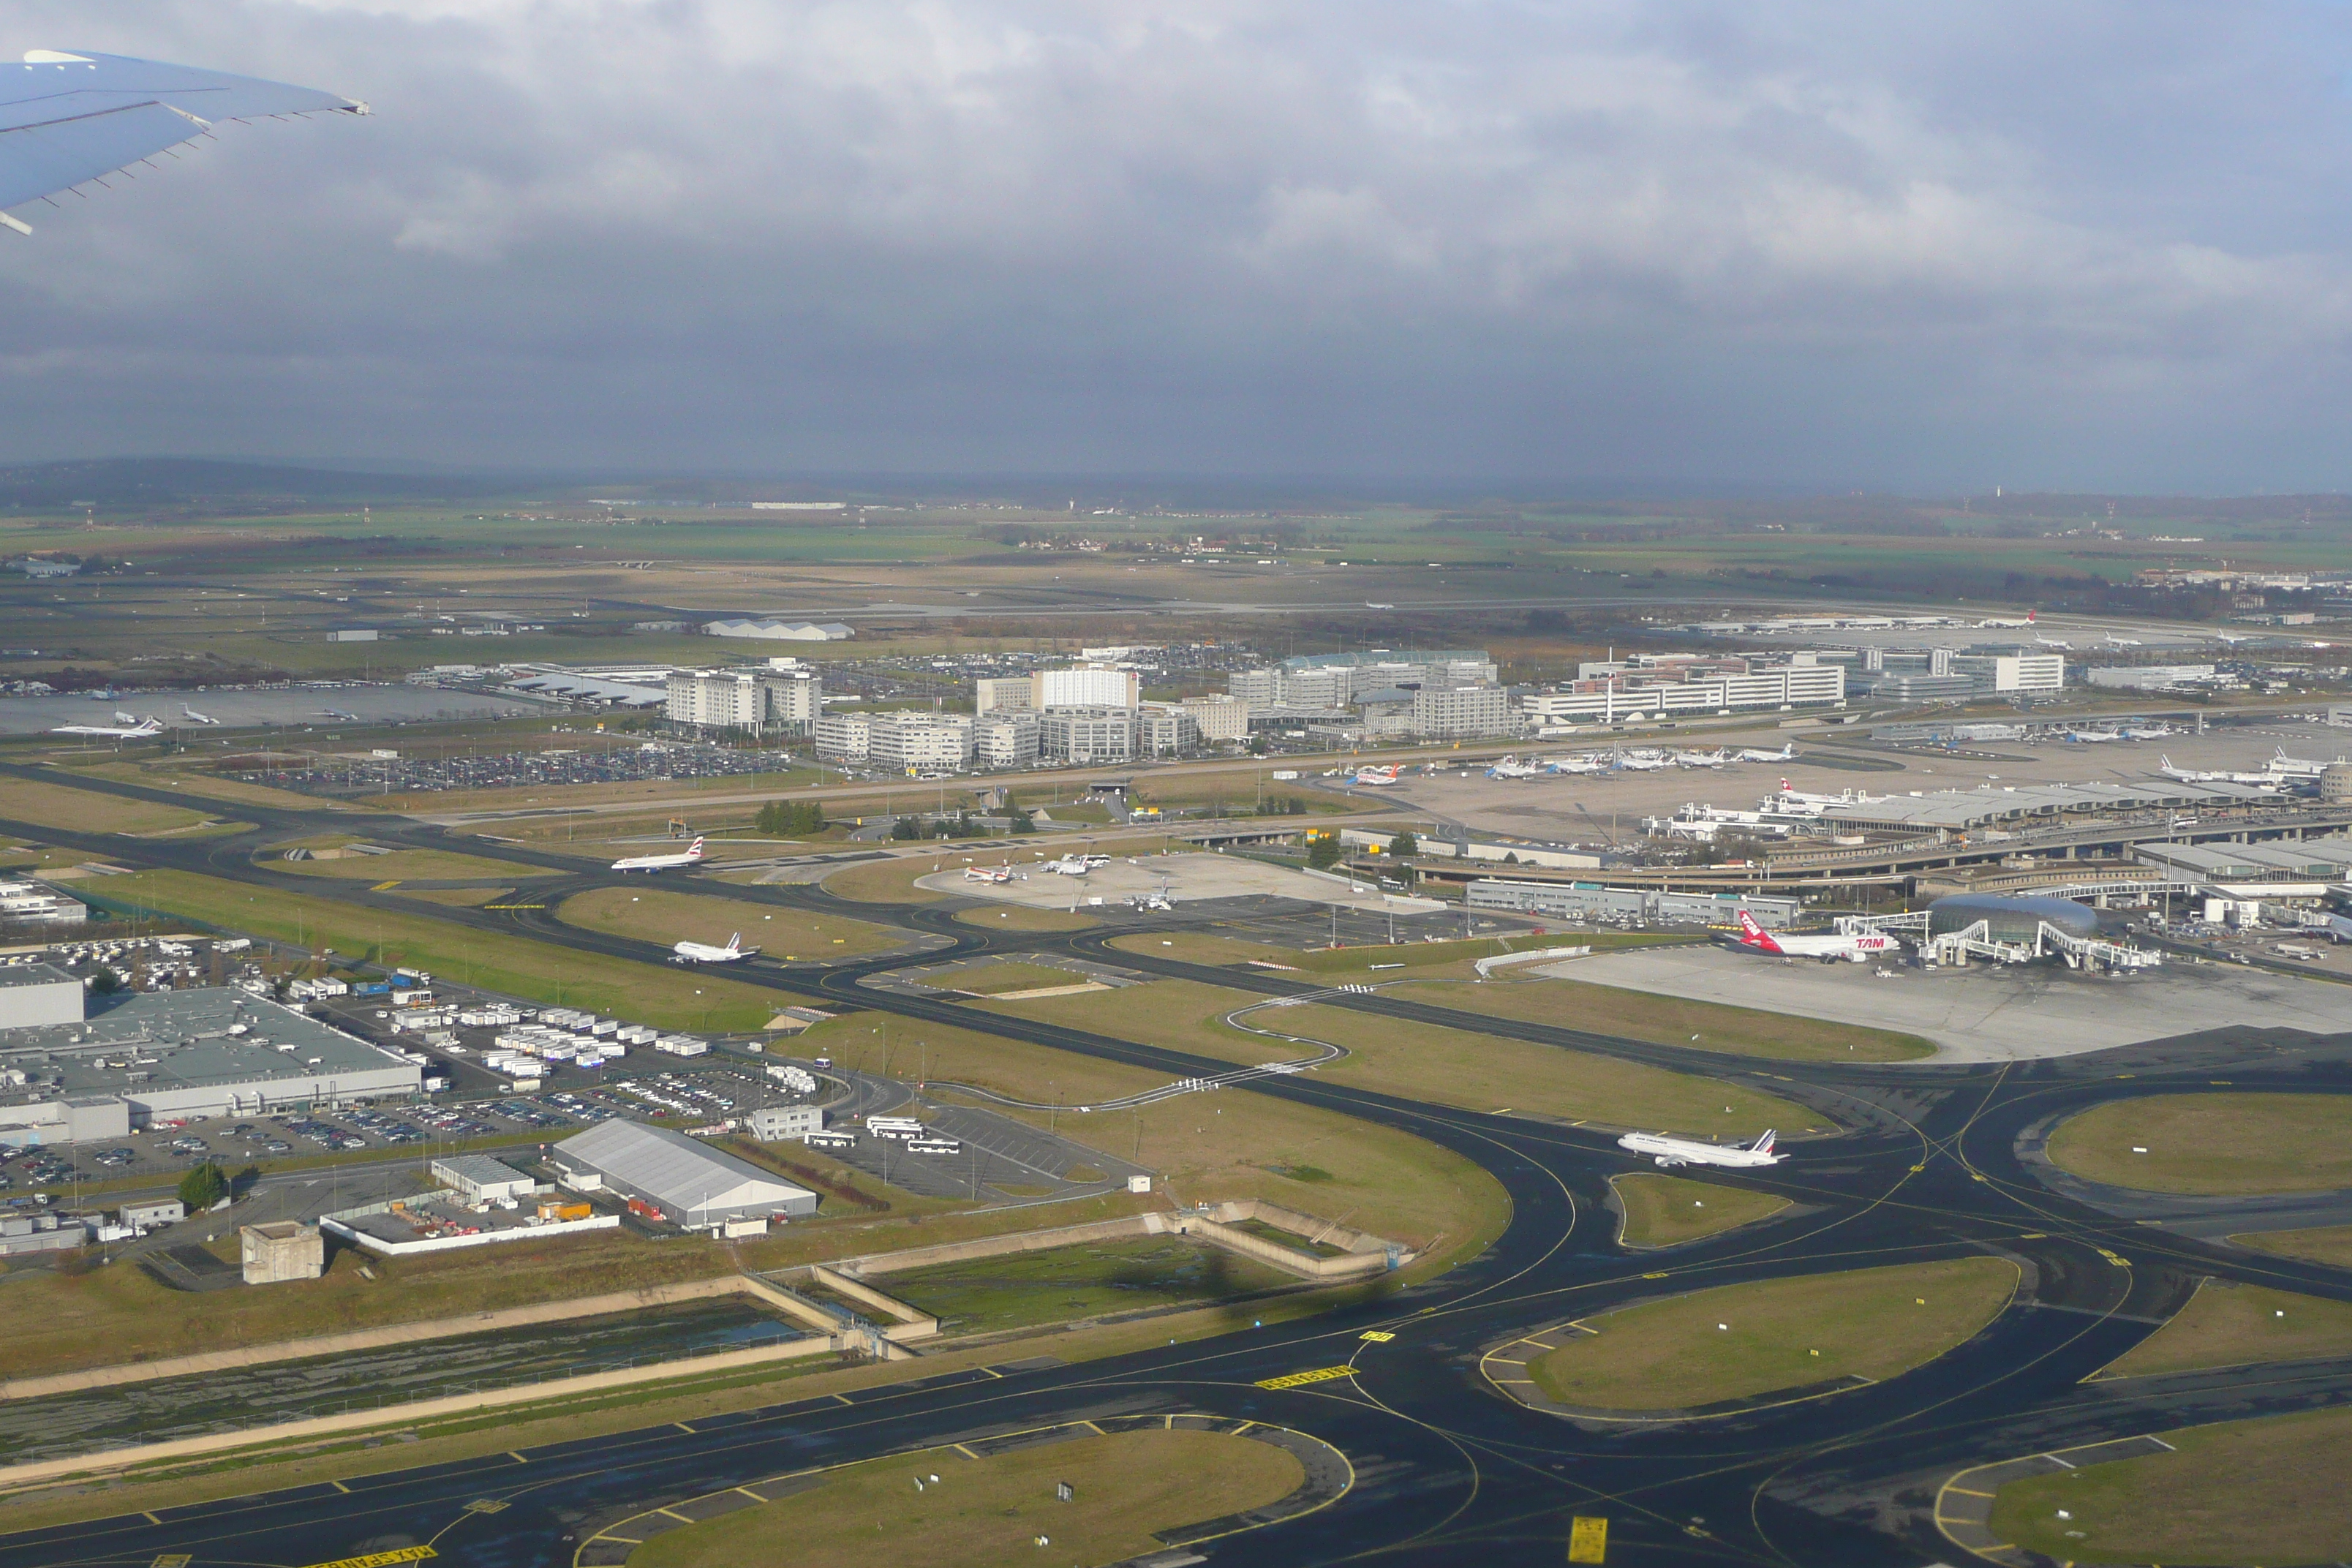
x: 998, y: 1245
x: 390, y: 1334
x: 394, y: 1416
x: 1365, y: 1254
x: 907, y: 1322
x: 1486, y: 967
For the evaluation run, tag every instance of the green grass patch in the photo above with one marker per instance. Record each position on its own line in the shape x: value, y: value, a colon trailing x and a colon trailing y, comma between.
x: 424, y: 864
x: 2241, y: 1493
x: 990, y: 1513
x: 665, y: 918
x: 1020, y: 917
x: 1024, y: 1289
x: 1671, y: 1021
x: 2229, y: 1324
x: 2328, y: 1243
x: 2220, y: 1144
x: 60, y: 805
x: 1667, y: 1211
x: 994, y: 979
x: 1420, y: 1061
x: 540, y: 972
x: 1743, y: 1342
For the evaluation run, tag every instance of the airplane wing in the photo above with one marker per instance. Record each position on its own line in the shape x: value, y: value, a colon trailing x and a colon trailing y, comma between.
x: 68, y: 118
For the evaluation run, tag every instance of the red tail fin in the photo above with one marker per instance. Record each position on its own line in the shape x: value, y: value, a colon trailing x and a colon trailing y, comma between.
x: 1754, y: 935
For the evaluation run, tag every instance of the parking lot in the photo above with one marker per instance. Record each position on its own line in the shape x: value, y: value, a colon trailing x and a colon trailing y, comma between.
x: 998, y: 1158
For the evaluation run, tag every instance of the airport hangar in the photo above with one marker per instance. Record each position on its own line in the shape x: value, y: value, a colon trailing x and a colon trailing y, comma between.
x: 685, y: 1181
x: 68, y: 1079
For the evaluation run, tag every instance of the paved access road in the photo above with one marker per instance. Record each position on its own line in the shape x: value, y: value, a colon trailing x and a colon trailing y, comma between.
x: 1935, y: 1162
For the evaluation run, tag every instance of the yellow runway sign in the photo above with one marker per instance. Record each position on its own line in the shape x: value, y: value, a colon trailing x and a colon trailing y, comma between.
x: 382, y: 1559
x: 1299, y: 1379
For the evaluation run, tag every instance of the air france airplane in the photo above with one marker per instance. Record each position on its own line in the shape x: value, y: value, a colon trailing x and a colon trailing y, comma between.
x: 1669, y: 1150
x: 703, y: 952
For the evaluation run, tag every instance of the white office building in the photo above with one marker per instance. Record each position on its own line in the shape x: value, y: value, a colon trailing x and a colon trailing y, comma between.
x: 763, y: 701
x: 919, y: 741
x: 844, y: 737
x: 1001, y: 693
x: 1219, y: 718
x: 1086, y: 734
x: 1006, y: 738
x: 1088, y: 686
x: 1166, y: 733
x: 2148, y: 677
x: 1461, y: 712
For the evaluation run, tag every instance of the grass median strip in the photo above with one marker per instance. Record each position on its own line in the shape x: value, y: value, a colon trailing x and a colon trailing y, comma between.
x: 1671, y: 1021
x: 2218, y: 1144
x: 2241, y: 1493
x: 1420, y: 1061
x: 665, y: 918
x: 1665, y: 1211
x: 938, y: 1506
x: 1745, y: 1342
x: 516, y: 965
x: 2229, y: 1324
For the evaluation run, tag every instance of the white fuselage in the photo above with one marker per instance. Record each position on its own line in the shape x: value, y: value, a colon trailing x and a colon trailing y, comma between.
x: 1667, y: 1150
x: 703, y: 952
x: 690, y: 856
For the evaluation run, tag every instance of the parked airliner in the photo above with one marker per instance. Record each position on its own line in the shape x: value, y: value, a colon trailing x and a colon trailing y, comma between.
x: 1858, y: 947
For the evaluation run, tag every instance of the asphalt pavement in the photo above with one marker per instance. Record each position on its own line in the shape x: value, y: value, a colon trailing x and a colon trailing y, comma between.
x: 1935, y: 1162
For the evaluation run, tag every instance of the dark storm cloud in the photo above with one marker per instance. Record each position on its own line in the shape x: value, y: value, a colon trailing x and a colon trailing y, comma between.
x: 1904, y: 246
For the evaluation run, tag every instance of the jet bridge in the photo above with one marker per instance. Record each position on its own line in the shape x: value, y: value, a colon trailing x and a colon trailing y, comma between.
x: 1975, y: 941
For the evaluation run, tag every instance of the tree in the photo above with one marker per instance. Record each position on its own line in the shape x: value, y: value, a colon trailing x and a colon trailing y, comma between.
x: 1016, y: 820
x: 105, y: 982
x: 1322, y: 851
x: 908, y: 827
x: 1404, y: 846
x: 202, y: 1188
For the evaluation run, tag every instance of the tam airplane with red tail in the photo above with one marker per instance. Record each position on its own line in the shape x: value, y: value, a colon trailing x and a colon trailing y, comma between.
x: 1860, y: 947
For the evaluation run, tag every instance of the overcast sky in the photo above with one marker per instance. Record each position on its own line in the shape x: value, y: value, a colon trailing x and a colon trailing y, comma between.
x: 1910, y: 246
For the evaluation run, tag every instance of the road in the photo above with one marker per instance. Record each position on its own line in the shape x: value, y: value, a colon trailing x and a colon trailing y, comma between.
x: 1934, y: 1162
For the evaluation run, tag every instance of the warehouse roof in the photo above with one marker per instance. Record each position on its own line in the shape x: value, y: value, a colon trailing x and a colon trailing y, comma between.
x: 173, y: 1039
x: 35, y: 975
x: 680, y: 1174
x: 1966, y: 808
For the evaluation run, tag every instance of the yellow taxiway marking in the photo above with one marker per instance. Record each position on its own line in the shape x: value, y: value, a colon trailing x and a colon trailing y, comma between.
x: 514, y: 906
x: 844, y: 1399
x: 992, y: 1372
x: 2118, y: 1262
x: 675, y: 1514
x: 1966, y: 1492
x: 1660, y: 1275
x: 384, y: 887
x: 1301, y: 1379
x: 1378, y: 1336
x: 340, y: 1487
x: 382, y: 1559
x: 518, y: 1459
x: 682, y: 1427
x: 150, y: 1518
x: 967, y: 1453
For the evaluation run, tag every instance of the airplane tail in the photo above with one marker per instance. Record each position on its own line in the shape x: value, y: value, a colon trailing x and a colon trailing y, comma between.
x: 735, y: 942
x: 1754, y: 935
x: 1763, y: 1145
x: 2029, y: 617
x: 693, y: 850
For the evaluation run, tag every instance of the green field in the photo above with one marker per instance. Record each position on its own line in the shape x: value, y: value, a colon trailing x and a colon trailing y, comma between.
x: 989, y: 1513
x: 2220, y: 1144
x: 1745, y: 1341
x: 2331, y: 1244
x: 1670, y: 1021
x: 1208, y: 1148
x: 1667, y: 1211
x: 2229, y: 1324
x: 1448, y: 1067
x: 667, y: 918
x: 1024, y: 1289
x: 424, y: 864
x: 2232, y: 1496
x: 89, y: 811
x: 642, y: 993
x: 1000, y: 977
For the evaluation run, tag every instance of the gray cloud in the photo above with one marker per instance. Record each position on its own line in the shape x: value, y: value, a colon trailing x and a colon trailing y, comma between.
x: 1912, y: 246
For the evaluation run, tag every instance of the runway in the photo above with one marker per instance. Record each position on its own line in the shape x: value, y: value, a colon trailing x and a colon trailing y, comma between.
x: 1445, y: 1469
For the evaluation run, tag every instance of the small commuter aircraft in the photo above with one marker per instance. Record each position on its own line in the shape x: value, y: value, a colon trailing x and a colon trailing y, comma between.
x: 691, y: 854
